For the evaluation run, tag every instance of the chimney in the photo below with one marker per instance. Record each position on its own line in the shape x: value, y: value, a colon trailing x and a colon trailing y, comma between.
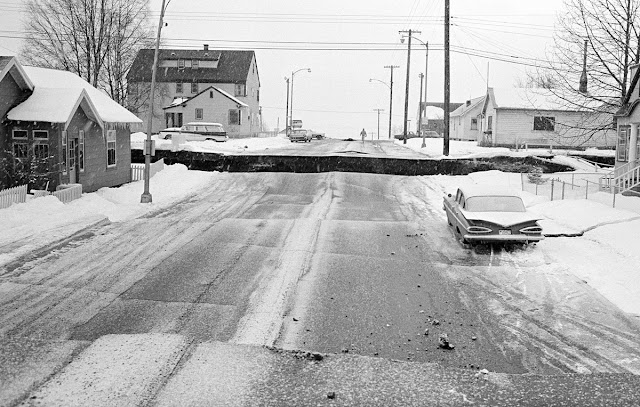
x: 206, y: 47
x: 468, y: 102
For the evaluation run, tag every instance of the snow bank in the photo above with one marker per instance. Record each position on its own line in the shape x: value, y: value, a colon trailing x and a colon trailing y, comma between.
x: 231, y: 146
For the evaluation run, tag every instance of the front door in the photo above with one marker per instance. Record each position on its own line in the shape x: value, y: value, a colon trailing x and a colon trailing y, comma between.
x: 73, y: 159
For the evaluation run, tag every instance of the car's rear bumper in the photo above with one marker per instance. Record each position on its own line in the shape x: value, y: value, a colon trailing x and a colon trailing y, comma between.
x: 502, y: 238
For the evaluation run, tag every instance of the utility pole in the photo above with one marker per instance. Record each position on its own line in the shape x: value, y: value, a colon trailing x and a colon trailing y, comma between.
x: 146, y: 195
x: 406, y: 92
x: 391, y: 67
x: 286, y: 115
x: 447, y: 78
x: 420, y: 112
x: 426, y: 70
x: 378, y: 110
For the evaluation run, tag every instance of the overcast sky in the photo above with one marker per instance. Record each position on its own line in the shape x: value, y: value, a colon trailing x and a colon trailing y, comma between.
x: 345, y: 43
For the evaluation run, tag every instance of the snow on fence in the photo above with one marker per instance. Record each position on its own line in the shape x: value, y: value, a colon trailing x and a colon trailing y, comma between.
x: 13, y: 195
x: 559, y: 186
x: 137, y: 170
x: 68, y: 192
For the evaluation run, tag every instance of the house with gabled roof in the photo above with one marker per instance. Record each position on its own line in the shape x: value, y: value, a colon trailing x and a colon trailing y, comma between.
x: 539, y: 117
x: 211, y: 105
x: 73, y: 131
x: 184, y: 74
x: 464, y: 121
x: 626, y: 175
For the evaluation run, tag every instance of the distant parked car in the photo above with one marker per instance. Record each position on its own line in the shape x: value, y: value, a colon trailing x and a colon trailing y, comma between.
x: 409, y: 135
x: 197, y: 131
x: 300, y: 135
x: 491, y: 215
x: 318, y: 136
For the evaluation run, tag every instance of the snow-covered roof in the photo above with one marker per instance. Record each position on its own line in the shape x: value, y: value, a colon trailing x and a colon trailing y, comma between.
x: 178, y: 101
x: 464, y: 108
x: 184, y: 101
x: 53, y: 105
x: 238, y: 102
x: 56, y: 95
x: 537, y: 99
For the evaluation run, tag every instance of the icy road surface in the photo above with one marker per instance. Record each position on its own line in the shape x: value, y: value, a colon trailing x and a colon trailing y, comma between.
x: 335, y: 262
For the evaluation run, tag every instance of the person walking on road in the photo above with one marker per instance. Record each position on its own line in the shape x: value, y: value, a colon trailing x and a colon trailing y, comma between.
x: 363, y: 134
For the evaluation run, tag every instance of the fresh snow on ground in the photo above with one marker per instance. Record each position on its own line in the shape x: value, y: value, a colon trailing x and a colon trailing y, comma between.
x: 613, y: 271
x: 471, y: 149
x: 231, y: 146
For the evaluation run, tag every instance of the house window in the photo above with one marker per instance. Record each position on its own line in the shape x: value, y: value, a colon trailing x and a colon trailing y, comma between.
x: 111, y: 148
x: 180, y: 63
x: 199, y: 114
x: 20, y: 150
x: 178, y: 87
x: 20, y: 134
x: 64, y: 152
x: 211, y: 94
x: 41, y: 151
x: 234, y: 116
x: 622, y: 149
x: 194, y: 87
x: 179, y: 123
x: 40, y: 134
x: 474, y: 124
x: 195, y: 64
x: 544, y: 123
x: 489, y: 123
x: 241, y: 89
x: 81, y: 150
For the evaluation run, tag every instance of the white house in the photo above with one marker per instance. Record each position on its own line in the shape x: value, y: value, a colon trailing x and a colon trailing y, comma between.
x: 627, y: 164
x: 212, y: 105
x: 464, y: 121
x: 533, y: 116
x: 184, y: 74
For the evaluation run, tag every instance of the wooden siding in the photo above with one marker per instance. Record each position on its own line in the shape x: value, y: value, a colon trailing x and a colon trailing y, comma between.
x: 215, y: 110
x: 96, y: 174
x: 167, y: 93
x: 516, y: 127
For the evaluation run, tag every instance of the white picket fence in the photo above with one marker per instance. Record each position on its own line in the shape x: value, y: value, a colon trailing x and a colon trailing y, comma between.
x: 13, y: 195
x: 137, y: 170
x: 68, y: 192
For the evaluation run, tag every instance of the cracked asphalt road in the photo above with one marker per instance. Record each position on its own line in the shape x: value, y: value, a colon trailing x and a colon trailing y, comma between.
x: 331, y: 262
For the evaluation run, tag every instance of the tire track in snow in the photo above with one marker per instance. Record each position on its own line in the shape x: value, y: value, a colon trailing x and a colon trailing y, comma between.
x: 262, y: 322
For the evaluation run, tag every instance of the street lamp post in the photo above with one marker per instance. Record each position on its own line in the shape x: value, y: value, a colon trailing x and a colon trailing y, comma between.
x: 420, y: 115
x: 292, y: 75
x: 146, y: 194
x: 390, y: 86
x: 286, y: 114
x: 426, y: 70
x: 378, y: 110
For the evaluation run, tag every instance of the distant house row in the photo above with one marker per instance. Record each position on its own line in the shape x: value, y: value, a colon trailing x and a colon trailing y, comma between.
x: 531, y: 116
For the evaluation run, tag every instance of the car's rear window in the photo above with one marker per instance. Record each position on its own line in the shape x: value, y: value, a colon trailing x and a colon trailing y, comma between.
x: 214, y: 128
x: 494, y: 204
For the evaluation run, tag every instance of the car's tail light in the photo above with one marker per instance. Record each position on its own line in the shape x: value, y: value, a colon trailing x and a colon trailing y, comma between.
x: 478, y: 229
x: 531, y: 230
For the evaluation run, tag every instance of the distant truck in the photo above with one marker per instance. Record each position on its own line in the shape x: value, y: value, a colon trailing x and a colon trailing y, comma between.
x: 317, y: 135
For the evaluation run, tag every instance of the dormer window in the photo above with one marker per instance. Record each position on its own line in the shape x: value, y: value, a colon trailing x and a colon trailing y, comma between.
x: 195, y: 64
x: 180, y: 63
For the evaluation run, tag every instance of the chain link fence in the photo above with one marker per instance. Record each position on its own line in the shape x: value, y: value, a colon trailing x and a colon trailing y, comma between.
x: 558, y: 186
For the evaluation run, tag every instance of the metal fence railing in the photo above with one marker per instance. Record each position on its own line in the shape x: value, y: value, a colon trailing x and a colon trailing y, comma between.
x: 13, y: 195
x: 558, y: 186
